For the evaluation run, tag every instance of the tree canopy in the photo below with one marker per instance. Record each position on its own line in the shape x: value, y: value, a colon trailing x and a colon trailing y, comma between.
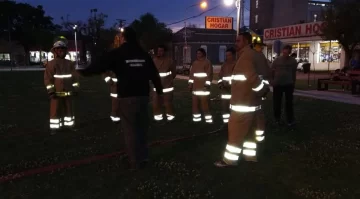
x: 151, y: 32
x: 342, y: 25
x: 28, y: 25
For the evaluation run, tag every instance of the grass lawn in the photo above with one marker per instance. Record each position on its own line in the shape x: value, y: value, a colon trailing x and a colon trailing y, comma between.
x: 320, y: 158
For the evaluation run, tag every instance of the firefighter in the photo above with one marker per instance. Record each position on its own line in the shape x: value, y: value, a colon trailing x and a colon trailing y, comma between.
x: 167, y: 72
x: 264, y: 72
x: 201, y: 74
x: 134, y: 70
x: 225, y: 81
x: 61, y: 81
x: 110, y: 78
x: 246, y: 92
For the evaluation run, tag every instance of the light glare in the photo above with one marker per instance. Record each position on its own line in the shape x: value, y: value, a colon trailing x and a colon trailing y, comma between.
x: 229, y: 2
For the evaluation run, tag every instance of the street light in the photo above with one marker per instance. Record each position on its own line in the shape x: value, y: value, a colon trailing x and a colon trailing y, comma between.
x: 238, y: 6
x: 76, y: 49
x: 203, y: 5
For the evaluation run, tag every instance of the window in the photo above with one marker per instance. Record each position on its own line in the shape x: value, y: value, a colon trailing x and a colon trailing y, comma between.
x: 187, y: 54
x: 257, y: 3
x: 4, y: 57
x: 304, y: 51
x: 329, y: 52
x: 256, y: 18
x: 205, y: 48
x: 222, y: 54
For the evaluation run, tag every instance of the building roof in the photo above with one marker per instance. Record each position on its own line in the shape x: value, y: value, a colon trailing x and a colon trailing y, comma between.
x: 204, y: 35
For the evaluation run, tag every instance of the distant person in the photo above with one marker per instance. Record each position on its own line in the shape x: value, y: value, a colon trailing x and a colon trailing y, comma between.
x: 167, y: 71
x: 62, y: 84
x: 201, y: 75
x: 355, y: 62
x: 283, y: 81
x: 111, y: 80
x: 134, y: 70
x: 224, y: 83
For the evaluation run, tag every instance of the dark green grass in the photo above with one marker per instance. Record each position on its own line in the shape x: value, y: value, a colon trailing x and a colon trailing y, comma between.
x: 318, y: 159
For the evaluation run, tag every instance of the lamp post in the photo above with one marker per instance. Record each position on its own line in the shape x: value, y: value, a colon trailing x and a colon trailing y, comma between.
x: 238, y: 4
x: 203, y: 5
x: 76, y: 49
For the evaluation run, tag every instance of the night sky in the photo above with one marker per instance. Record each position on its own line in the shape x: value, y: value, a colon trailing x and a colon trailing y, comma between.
x: 166, y: 11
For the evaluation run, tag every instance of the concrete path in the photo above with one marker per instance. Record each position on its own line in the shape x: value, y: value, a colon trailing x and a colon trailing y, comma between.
x: 322, y: 95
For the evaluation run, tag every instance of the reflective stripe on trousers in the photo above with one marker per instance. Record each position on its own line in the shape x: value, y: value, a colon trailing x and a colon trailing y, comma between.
x: 160, y: 117
x: 232, y: 154
x: 114, y: 118
x: 65, y: 121
x: 249, y: 149
x: 166, y: 90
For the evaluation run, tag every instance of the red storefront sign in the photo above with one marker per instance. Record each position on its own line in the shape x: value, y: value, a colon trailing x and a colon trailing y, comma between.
x: 294, y: 31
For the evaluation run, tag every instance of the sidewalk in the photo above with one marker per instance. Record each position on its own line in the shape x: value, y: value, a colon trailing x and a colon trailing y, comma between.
x: 322, y: 95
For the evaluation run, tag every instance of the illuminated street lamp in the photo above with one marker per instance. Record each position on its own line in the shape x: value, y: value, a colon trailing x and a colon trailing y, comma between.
x: 203, y: 5
x: 238, y: 4
x: 76, y: 49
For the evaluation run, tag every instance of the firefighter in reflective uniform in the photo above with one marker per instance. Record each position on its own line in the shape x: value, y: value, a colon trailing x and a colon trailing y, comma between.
x: 225, y: 81
x: 264, y: 72
x: 110, y: 78
x: 167, y: 72
x: 61, y: 81
x: 246, y: 92
x: 201, y: 74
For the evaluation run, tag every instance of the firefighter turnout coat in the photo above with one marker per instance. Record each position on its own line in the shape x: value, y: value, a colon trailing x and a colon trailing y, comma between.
x: 201, y: 75
x: 246, y: 92
x: 61, y: 81
x: 262, y: 68
x: 110, y: 78
x: 167, y: 72
x: 224, y: 83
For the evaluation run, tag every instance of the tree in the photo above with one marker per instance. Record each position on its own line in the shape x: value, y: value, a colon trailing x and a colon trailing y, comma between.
x: 341, y: 24
x: 190, y: 25
x: 151, y: 32
x: 92, y: 33
x: 28, y: 25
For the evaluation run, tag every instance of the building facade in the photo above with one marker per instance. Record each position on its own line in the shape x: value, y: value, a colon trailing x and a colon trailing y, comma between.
x: 215, y: 42
x: 276, y: 13
x: 308, y: 44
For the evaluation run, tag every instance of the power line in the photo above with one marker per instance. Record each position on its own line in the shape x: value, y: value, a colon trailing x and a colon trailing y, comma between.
x: 232, y: 12
x: 195, y: 16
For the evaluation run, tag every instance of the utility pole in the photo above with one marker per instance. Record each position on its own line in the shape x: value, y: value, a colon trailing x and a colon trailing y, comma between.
x: 10, y: 44
x: 242, y: 13
x: 121, y: 24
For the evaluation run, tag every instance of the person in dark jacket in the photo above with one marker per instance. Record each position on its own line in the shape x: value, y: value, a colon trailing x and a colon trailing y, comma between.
x: 134, y: 68
x: 283, y: 81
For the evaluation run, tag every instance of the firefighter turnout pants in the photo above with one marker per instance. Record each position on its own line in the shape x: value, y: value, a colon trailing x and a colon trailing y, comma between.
x: 202, y: 98
x: 241, y: 136
x: 61, y: 112
x: 158, y: 104
x: 225, y: 106
x: 135, y: 123
x: 260, y: 125
x: 114, y: 108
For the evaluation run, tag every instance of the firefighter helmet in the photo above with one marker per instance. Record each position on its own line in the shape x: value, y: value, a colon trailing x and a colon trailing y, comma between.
x: 60, y: 42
